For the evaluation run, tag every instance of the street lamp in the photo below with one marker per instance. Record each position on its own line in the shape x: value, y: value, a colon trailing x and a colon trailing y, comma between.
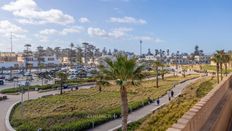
x: 140, y: 47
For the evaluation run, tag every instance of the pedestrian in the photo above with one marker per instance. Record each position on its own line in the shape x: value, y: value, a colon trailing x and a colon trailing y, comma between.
x: 169, y: 95
x: 158, y: 101
x: 172, y: 93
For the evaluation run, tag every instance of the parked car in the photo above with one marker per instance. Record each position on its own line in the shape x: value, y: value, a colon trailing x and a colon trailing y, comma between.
x: 24, y: 83
x: 27, y: 74
x: 1, y: 82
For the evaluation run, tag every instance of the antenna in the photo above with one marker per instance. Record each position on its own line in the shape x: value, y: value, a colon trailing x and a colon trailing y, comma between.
x: 140, y: 47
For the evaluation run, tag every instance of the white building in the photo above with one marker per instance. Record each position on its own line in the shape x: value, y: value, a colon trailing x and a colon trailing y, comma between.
x: 45, y: 60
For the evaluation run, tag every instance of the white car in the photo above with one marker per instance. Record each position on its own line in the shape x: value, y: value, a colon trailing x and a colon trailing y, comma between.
x: 24, y: 83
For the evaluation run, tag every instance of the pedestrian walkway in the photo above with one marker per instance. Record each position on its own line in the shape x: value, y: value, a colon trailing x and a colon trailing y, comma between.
x: 144, y: 111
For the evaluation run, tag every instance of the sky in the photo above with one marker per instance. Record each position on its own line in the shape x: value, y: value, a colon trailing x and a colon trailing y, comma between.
x: 160, y: 24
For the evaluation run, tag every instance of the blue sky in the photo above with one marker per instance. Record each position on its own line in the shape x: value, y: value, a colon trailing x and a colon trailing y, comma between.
x: 166, y: 24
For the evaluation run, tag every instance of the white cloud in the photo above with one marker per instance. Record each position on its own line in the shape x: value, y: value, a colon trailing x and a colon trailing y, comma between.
x: 48, y: 32
x: 84, y: 20
x: 65, y: 31
x: 32, y: 14
x: 8, y: 27
x: 119, y: 32
x: 147, y: 38
x: 127, y: 20
x: 97, y: 32
x: 20, y: 4
x: 115, y: 33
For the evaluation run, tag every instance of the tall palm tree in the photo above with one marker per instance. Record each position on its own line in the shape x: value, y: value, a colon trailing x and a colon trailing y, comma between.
x: 217, y: 58
x: 71, y: 54
x: 156, y: 65
x: 125, y: 71
x: 63, y: 77
x: 221, y: 53
x: 163, y: 71
x: 226, y: 60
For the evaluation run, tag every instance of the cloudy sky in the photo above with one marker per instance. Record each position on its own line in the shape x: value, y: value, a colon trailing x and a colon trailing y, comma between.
x: 166, y: 24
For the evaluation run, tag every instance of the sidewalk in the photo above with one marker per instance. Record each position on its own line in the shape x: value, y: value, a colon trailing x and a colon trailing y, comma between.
x: 144, y: 111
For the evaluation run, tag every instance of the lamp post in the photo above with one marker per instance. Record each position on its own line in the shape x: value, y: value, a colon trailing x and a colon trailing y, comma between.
x: 22, y: 92
x: 141, y: 42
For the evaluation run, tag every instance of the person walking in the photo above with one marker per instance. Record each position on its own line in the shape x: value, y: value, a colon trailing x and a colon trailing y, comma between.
x: 169, y: 95
x: 172, y: 93
x: 158, y: 101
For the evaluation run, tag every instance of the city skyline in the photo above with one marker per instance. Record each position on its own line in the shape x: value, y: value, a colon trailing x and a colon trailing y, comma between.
x: 175, y: 25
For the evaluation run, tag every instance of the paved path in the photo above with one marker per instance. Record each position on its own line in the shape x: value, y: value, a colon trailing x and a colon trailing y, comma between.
x: 5, y: 105
x: 144, y: 111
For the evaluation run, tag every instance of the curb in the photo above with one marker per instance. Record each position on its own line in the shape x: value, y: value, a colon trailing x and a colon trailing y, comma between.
x: 7, y: 118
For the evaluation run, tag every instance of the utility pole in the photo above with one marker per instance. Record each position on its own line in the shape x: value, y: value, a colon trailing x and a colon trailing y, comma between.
x: 11, y: 44
x: 140, y: 47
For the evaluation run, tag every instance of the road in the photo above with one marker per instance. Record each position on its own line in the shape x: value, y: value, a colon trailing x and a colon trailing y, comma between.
x: 144, y: 111
x: 14, y: 84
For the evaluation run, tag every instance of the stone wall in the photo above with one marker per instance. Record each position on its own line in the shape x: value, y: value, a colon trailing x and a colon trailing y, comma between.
x: 211, y: 113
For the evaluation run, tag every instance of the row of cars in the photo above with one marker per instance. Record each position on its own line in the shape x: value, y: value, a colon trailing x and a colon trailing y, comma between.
x: 82, y: 72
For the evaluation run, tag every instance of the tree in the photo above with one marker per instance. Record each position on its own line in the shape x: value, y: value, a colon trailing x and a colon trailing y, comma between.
x: 221, y: 54
x: 163, y: 71
x: 79, y: 53
x: 196, y: 52
x: 125, y: 71
x: 63, y: 77
x: 184, y: 71
x: 57, y: 52
x: 216, y: 58
x: 39, y: 55
x: 226, y: 60
x: 156, y: 65
x: 71, y: 54
x: 27, y: 53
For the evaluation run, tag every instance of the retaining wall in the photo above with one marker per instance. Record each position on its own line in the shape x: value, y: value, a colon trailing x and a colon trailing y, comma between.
x: 211, y: 113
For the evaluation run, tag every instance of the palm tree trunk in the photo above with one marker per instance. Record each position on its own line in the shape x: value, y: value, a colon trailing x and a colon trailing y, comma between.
x: 124, y: 107
x: 226, y: 69
x: 100, y: 89
x: 221, y: 71
x: 162, y: 73
x: 157, y: 77
x: 218, y: 72
x: 61, y: 87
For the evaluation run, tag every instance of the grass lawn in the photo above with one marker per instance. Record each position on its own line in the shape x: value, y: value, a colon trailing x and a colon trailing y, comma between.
x: 169, y: 114
x: 77, y: 110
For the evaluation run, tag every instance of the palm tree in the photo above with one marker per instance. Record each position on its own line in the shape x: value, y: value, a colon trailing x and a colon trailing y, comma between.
x: 216, y: 58
x: 226, y: 60
x: 221, y: 53
x: 63, y: 77
x: 71, y: 54
x: 184, y: 71
x: 163, y: 71
x: 27, y: 53
x: 156, y: 65
x: 124, y: 71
